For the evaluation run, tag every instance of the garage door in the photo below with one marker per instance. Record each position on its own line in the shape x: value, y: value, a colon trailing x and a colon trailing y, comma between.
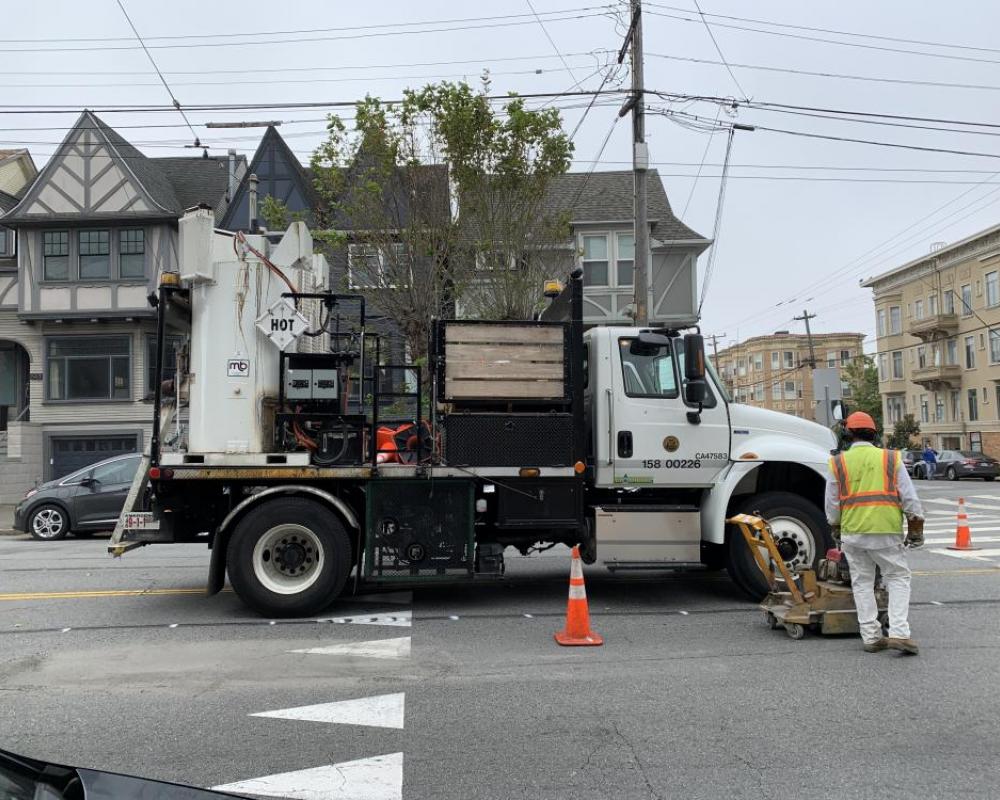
x: 70, y: 453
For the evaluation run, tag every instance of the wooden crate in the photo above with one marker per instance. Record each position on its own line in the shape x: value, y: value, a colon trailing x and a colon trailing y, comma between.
x: 484, y: 361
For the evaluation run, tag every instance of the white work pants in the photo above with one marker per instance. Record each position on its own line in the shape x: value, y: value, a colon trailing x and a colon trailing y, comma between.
x: 864, y: 552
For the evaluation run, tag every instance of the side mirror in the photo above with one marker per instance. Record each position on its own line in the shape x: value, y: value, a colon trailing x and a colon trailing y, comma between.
x: 695, y: 391
x: 90, y: 482
x: 838, y: 410
x: 653, y: 339
x: 694, y: 358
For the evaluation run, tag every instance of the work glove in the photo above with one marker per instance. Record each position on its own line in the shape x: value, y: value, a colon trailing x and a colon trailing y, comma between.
x: 914, y: 533
x: 835, y: 534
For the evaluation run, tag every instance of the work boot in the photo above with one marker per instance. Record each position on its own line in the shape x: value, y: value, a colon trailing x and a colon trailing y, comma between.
x: 877, y: 646
x: 905, y: 646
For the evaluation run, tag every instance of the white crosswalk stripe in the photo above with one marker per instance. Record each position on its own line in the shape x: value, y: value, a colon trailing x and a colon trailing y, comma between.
x: 983, y: 511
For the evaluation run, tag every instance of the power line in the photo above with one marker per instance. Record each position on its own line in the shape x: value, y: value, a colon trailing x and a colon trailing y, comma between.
x: 838, y: 32
x: 551, y: 40
x: 230, y: 34
x: 262, y: 39
x: 718, y: 49
x: 838, y: 75
x: 834, y: 41
x: 166, y: 86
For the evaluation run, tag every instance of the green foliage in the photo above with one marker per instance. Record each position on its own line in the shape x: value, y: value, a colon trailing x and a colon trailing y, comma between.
x: 904, y: 432
x: 393, y: 184
x: 276, y: 215
x: 861, y: 374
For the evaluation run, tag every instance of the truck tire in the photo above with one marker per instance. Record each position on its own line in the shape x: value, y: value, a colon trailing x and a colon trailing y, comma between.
x: 289, y: 557
x: 800, y: 531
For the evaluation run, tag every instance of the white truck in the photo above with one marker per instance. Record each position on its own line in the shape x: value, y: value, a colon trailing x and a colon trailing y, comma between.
x: 284, y: 441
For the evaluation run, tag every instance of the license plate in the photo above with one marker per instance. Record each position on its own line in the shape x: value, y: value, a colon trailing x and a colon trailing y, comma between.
x: 140, y: 521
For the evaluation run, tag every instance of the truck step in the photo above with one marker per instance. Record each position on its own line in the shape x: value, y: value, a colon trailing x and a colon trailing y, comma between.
x: 676, y: 508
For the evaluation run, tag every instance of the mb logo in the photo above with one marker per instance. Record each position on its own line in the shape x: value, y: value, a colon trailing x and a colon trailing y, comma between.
x: 238, y: 368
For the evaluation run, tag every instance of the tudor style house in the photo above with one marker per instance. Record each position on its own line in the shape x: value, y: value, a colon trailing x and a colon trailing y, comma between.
x: 94, y: 231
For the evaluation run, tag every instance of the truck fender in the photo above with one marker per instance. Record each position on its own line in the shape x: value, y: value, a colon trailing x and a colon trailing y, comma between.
x: 716, y: 505
x: 220, y: 542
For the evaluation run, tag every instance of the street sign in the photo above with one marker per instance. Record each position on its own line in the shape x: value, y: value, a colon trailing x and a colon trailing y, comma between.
x: 282, y: 324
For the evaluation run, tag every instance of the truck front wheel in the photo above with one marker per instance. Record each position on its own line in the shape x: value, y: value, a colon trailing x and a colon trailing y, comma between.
x: 800, y: 532
x: 289, y: 557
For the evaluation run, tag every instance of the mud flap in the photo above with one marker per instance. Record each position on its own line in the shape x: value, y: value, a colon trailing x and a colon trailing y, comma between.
x: 217, y: 566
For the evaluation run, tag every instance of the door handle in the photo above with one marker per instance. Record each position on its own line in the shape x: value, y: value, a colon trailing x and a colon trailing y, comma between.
x: 611, y: 426
x: 625, y: 444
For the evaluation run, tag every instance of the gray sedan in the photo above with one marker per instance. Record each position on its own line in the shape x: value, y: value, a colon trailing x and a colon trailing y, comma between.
x: 86, y: 501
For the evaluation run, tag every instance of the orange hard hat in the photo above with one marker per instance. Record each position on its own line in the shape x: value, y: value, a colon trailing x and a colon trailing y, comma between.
x: 860, y: 421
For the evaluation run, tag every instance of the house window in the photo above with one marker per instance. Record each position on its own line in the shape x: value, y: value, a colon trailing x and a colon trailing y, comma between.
x: 895, y: 320
x: 3, y: 241
x: 952, y: 352
x: 95, y: 254
x: 932, y: 305
x: 997, y: 392
x: 789, y: 390
x: 88, y: 368
x: 967, y: 300
x: 994, y: 346
x: 831, y: 358
x: 846, y: 391
x: 956, y: 410
x: 789, y: 359
x: 973, y: 405
x: 949, y: 302
x: 775, y: 360
x: 883, y: 367
x: 775, y: 391
x: 897, y: 365
x: 169, y: 360
x: 625, y: 261
x: 741, y: 367
x: 992, y: 289
x: 131, y: 253
x: 880, y: 322
x: 970, y: 352
x: 921, y: 356
x: 845, y: 357
x: 364, y: 266
x: 895, y: 408
x: 758, y: 362
x: 918, y: 309
x: 976, y: 441
x: 595, y: 260
x: 938, y: 407
x: 924, y: 410
x: 758, y: 392
x: 55, y: 255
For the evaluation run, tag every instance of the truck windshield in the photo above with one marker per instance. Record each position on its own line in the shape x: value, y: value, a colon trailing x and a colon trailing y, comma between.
x: 647, y: 370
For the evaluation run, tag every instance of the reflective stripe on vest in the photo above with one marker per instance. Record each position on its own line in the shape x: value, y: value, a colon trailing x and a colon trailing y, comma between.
x: 869, y: 494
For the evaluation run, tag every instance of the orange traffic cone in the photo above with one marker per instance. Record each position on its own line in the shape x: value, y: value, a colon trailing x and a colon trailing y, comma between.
x: 577, y: 631
x: 963, y: 536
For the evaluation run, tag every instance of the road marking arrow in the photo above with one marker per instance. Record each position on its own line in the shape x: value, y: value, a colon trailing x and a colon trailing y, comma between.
x: 383, y: 648
x: 380, y: 711
x: 377, y: 778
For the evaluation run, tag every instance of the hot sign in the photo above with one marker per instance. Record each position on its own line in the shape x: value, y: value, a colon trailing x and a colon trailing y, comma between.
x: 282, y: 323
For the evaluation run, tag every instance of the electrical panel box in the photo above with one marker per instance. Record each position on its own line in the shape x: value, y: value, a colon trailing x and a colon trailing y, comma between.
x: 324, y: 384
x: 311, y: 377
x: 298, y: 384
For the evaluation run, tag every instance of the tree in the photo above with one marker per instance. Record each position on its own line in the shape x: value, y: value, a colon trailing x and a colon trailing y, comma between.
x: 903, y: 433
x: 861, y: 375
x: 386, y: 191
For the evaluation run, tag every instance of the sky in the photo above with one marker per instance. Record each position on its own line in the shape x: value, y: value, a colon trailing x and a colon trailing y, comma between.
x: 804, y: 220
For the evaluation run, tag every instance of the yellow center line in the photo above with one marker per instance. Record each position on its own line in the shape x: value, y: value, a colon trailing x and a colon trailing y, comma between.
x: 95, y: 593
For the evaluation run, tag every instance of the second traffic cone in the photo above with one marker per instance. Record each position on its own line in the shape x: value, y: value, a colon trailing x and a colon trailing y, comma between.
x: 577, y: 631
x: 963, y: 536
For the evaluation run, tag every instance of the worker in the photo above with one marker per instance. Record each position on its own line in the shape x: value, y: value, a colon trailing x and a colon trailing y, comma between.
x: 867, y: 493
x: 930, y: 462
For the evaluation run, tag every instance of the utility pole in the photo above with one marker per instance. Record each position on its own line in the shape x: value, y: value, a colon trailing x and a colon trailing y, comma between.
x: 806, y: 316
x: 640, y: 164
x: 715, y: 347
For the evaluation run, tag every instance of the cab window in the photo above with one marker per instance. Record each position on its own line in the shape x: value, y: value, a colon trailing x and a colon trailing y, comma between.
x: 710, y: 401
x: 648, y: 370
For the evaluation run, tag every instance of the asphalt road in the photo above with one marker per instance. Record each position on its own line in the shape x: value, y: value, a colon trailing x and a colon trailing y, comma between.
x: 460, y: 693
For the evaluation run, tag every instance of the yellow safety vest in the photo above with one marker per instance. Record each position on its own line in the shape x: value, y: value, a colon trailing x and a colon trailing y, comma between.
x: 869, y: 496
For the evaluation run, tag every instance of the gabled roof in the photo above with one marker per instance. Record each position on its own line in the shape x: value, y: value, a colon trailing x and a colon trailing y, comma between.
x: 608, y: 196
x: 7, y: 201
x: 169, y: 185
x: 279, y: 174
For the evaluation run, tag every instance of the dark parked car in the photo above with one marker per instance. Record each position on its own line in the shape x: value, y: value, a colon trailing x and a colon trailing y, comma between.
x: 913, y: 460
x: 86, y: 501
x: 957, y: 464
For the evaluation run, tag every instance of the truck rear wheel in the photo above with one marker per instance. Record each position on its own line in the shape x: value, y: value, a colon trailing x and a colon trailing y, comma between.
x: 800, y: 532
x: 289, y: 557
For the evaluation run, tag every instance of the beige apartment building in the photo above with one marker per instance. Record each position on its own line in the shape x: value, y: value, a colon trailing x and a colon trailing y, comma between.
x: 773, y: 371
x: 937, y: 319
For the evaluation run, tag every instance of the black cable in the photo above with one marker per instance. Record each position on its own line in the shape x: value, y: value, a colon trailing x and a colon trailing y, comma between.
x: 551, y: 40
x: 163, y: 80
x: 718, y: 49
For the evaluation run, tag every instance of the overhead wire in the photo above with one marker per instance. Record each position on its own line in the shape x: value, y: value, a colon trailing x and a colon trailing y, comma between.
x: 718, y: 49
x: 552, y: 41
x: 163, y: 80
